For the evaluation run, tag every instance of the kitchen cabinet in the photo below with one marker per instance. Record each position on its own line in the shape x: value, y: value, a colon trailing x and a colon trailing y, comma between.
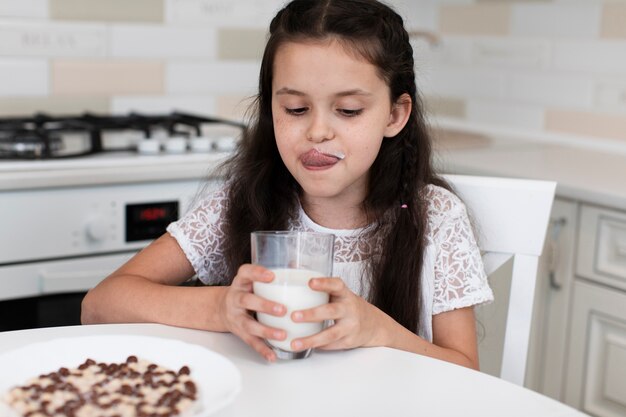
x: 546, y: 362
x: 596, y: 369
x: 578, y: 347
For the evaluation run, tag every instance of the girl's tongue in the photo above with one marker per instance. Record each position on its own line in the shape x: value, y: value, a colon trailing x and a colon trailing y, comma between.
x: 315, y: 158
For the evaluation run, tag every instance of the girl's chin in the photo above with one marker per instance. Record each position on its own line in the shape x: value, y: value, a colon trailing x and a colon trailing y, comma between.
x: 325, y: 191
x: 320, y: 191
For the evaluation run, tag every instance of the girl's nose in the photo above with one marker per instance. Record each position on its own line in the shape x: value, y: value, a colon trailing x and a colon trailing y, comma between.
x: 319, y: 129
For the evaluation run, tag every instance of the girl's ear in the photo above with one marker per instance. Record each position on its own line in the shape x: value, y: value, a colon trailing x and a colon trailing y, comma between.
x: 400, y: 112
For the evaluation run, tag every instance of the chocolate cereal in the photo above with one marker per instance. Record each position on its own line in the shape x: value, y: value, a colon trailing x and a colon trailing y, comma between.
x: 134, y: 388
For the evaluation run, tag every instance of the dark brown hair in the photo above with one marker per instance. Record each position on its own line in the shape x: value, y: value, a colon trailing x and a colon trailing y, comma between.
x: 263, y: 195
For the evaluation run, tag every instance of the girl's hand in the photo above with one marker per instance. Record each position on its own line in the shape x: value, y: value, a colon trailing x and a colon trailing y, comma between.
x: 239, y: 303
x: 357, y: 322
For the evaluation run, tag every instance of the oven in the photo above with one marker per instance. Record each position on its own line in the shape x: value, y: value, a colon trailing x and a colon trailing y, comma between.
x: 69, y: 221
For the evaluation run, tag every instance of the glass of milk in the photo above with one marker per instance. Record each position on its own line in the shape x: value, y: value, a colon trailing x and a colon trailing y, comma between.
x: 295, y: 258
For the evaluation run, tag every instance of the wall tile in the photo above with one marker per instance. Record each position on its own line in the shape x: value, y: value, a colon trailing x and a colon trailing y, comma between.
x: 453, y: 51
x: 424, y: 60
x: 462, y: 83
x: 241, y: 43
x: 212, y: 77
x: 203, y: 105
x: 23, y: 77
x: 105, y: 77
x: 611, y: 95
x: 153, y: 41
x: 234, y: 106
x: 109, y: 10
x: 577, y: 20
x: 603, y: 125
x: 19, y: 106
x: 37, y: 9
x: 513, y: 53
x: 550, y: 90
x: 417, y: 14
x: 505, y: 114
x: 614, y: 20
x: 222, y: 13
x: 478, y: 19
x: 443, y: 106
x: 26, y: 38
x: 602, y: 57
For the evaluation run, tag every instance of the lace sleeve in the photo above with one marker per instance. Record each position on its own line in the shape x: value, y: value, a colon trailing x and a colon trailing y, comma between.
x: 200, y: 234
x: 460, y: 279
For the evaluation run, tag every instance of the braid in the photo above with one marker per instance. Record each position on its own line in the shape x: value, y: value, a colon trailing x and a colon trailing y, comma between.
x: 400, y: 297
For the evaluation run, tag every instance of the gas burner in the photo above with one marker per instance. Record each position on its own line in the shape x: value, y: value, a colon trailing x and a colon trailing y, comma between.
x: 39, y: 139
x: 45, y: 137
x: 28, y: 145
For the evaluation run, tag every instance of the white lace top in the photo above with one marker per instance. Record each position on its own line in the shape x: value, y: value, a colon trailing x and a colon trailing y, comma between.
x: 453, y: 275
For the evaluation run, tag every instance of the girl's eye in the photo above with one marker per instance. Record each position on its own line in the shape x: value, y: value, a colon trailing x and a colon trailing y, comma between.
x: 349, y: 112
x: 297, y: 111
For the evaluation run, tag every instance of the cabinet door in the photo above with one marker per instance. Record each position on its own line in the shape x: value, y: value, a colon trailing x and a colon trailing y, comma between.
x: 596, y: 372
x: 548, y: 343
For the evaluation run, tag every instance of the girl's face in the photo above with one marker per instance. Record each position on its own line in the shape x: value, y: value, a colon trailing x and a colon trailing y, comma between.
x: 331, y: 112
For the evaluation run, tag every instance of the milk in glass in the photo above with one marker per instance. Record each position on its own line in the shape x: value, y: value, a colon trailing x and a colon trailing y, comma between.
x: 290, y: 287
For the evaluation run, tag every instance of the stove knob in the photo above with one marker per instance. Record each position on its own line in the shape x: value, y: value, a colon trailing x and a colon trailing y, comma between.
x: 226, y: 144
x: 201, y: 144
x: 176, y: 145
x: 148, y: 146
x: 96, y: 229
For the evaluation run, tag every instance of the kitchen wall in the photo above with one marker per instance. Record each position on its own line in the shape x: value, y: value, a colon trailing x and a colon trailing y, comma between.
x: 554, y: 67
x: 545, y: 66
x: 67, y: 56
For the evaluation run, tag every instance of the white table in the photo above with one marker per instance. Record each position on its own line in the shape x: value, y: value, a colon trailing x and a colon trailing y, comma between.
x: 361, y: 382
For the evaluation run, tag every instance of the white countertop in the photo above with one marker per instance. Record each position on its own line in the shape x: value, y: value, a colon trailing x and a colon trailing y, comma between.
x: 106, y: 168
x: 589, y: 175
x: 358, y: 382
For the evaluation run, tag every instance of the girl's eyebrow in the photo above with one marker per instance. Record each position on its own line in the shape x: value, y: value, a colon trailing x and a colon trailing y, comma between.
x: 353, y: 92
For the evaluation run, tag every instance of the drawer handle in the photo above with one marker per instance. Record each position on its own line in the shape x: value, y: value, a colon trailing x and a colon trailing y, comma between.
x: 556, y: 226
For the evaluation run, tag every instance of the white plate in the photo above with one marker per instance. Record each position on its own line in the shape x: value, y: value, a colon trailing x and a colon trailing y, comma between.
x: 217, y: 379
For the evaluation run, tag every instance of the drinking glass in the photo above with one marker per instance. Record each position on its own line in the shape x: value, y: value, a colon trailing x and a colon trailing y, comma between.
x: 295, y: 258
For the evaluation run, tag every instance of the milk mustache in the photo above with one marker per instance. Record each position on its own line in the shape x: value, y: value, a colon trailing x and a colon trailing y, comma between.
x: 290, y: 287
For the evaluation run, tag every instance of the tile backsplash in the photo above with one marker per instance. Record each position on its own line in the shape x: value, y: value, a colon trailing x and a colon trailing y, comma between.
x: 543, y: 66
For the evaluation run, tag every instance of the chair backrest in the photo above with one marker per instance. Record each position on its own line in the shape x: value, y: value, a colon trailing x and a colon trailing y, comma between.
x: 510, y: 218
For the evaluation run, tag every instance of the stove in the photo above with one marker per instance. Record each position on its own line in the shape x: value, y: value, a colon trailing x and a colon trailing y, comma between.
x: 52, y: 137
x: 82, y: 194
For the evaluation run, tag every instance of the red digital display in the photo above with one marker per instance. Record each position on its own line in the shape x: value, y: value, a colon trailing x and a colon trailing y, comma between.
x: 151, y: 214
x: 148, y: 220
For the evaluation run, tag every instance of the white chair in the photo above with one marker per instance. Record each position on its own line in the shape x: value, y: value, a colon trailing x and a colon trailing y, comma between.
x: 510, y: 218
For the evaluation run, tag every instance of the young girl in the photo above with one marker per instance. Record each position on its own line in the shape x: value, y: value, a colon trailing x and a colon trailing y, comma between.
x: 338, y: 145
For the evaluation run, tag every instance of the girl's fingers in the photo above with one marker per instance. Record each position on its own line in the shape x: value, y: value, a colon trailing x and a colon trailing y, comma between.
x: 333, y: 286
x: 330, y: 311
x: 255, y: 332
x: 252, y: 302
x: 248, y: 273
x: 326, y: 337
x: 254, y: 328
x: 336, y: 309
